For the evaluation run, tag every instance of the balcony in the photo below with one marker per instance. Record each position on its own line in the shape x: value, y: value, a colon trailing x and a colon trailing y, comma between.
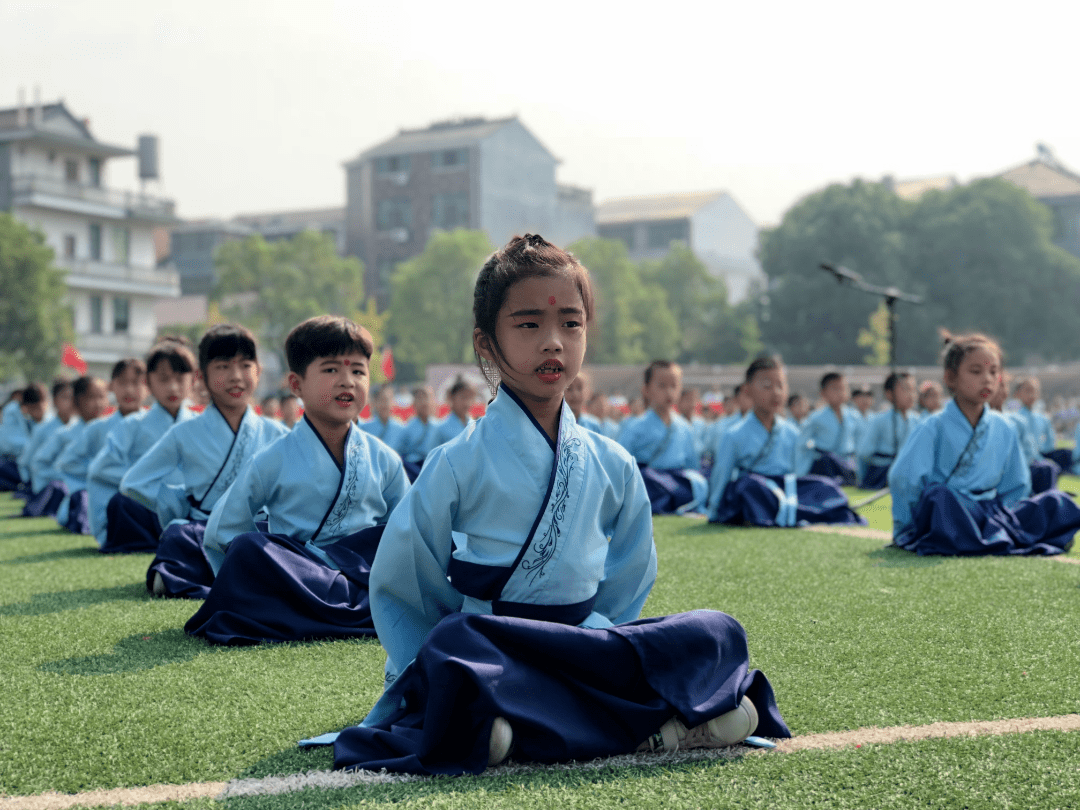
x: 86, y: 274
x: 50, y: 192
x: 100, y: 348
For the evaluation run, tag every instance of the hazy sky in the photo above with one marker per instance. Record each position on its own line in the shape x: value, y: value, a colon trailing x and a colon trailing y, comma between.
x: 258, y: 104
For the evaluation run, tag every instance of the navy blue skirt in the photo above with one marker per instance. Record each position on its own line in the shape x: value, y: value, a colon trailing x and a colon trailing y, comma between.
x: 78, y: 519
x: 1044, y: 475
x: 830, y: 465
x: 181, y: 562
x: 130, y: 527
x: 46, y: 502
x: 750, y: 501
x: 272, y: 588
x: 9, y: 476
x: 1062, y: 457
x: 412, y: 469
x: 667, y: 489
x: 877, y: 477
x: 568, y: 693
x: 947, y: 522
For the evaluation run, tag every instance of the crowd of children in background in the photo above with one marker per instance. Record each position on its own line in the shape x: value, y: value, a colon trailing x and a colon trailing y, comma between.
x: 275, y: 516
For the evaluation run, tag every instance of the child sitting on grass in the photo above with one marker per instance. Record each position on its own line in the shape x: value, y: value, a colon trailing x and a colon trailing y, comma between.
x: 885, y: 433
x: 40, y: 454
x: 327, y: 490
x: 753, y: 478
x: 827, y: 437
x: 209, y: 452
x: 31, y: 406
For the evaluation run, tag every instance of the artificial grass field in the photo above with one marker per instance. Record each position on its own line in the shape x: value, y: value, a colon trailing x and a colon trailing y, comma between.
x: 102, y: 689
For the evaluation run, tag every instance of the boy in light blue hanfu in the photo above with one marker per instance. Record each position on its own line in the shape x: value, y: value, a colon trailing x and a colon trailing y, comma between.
x: 753, y: 477
x: 383, y: 425
x: 509, y: 580
x: 960, y: 485
x: 327, y: 490
x: 209, y: 451
x: 1038, y: 429
x: 827, y: 438
x: 29, y: 411
x: 119, y: 524
x: 418, y: 438
x: 14, y: 428
x: 663, y: 444
x: 461, y: 396
x: 73, y: 445
x: 37, y: 458
x: 885, y: 433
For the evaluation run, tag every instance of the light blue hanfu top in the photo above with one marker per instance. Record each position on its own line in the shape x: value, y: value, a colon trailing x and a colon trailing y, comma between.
x: 391, y: 432
x: 74, y: 462
x: 883, y: 435
x: 449, y: 427
x: 824, y: 431
x: 982, y: 463
x: 418, y: 439
x: 661, y: 446
x: 209, y: 456
x: 1036, y: 433
x: 305, y: 494
x: 124, y: 445
x: 43, y: 463
x: 1076, y: 451
x: 39, y: 435
x: 15, y: 430
x: 568, y: 522
x: 590, y: 422
x: 750, y: 448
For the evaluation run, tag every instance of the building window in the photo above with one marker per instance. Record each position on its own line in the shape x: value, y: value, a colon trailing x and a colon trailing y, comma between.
x: 95, y: 172
x: 121, y: 308
x: 449, y: 158
x: 393, y: 164
x: 662, y: 234
x: 384, y: 271
x: 95, y: 314
x: 121, y: 245
x: 71, y: 170
x: 69, y: 245
x: 95, y: 241
x: 624, y: 233
x: 449, y: 211
x: 393, y: 213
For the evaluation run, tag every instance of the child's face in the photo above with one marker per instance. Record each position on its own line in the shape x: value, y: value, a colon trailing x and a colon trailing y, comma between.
x: 36, y: 410
x: 334, y: 389
x: 978, y: 377
x: 688, y: 402
x: 577, y: 394
x: 64, y: 403
x: 835, y: 393
x: 92, y: 404
x: 598, y: 407
x: 541, y: 331
x: 744, y: 400
x: 768, y: 391
x: 863, y: 402
x: 930, y: 399
x: 800, y: 408
x: 384, y: 404
x: 663, y: 389
x: 461, y: 402
x: 169, y: 387
x: 422, y: 404
x: 271, y: 408
x: 129, y: 389
x: 997, y: 399
x: 903, y: 395
x: 290, y: 411
x: 232, y: 381
x: 1028, y: 393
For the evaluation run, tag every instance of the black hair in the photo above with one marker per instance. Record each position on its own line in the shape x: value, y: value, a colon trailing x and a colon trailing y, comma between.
x: 658, y: 365
x: 174, y: 350
x: 224, y: 341
x: 737, y: 390
x: 128, y: 362
x: 957, y: 347
x: 289, y: 395
x: 894, y: 378
x: 460, y: 384
x: 528, y: 256
x: 1025, y: 380
x: 828, y: 377
x: 60, y: 385
x: 766, y: 362
x: 81, y: 387
x: 325, y: 336
x: 33, y: 394
x: 795, y: 398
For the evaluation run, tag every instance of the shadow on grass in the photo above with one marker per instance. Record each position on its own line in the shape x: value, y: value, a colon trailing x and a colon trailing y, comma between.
x: 83, y: 553
x: 512, y: 784
x: 134, y: 654
x: 892, y: 557
x: 43, y: 603
x: 291, y: 760
x: 11, y: 530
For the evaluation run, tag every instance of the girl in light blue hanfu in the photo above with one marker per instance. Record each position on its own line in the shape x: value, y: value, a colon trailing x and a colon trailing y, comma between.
x: 509, y: 581
x: 960, y: 484
x: 885, y: 433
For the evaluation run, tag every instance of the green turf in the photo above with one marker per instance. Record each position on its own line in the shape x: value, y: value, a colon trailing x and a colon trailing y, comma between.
x: 102, y: 688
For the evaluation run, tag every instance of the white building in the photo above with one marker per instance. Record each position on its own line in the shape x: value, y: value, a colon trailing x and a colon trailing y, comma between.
x: 711, y: 223
x: 54, y: 177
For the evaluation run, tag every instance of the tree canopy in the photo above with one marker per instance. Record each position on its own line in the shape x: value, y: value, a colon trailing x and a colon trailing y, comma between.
x: 35, y: 321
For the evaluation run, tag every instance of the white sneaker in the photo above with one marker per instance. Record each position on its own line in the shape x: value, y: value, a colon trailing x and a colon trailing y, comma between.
x: 720, y: 732
x: 502, y: 738
x: 159, y: 585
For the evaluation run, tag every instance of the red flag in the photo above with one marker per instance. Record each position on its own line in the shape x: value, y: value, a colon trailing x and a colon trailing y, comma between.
x: 72, y: 359
x: 388, y: 363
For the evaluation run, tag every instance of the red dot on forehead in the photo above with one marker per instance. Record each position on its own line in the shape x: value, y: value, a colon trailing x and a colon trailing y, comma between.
x: 347, y: 362
x: 551, y: 300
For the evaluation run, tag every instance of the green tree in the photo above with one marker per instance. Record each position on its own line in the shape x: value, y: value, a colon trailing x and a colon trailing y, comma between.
x: 35, y: 321
x: 431, y: 299
x: 876, y: 337
x: 272, y: 286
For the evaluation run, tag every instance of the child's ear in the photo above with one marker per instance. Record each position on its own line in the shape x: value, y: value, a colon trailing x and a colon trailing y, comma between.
x: 482, y: 345
x: 294, y: 383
